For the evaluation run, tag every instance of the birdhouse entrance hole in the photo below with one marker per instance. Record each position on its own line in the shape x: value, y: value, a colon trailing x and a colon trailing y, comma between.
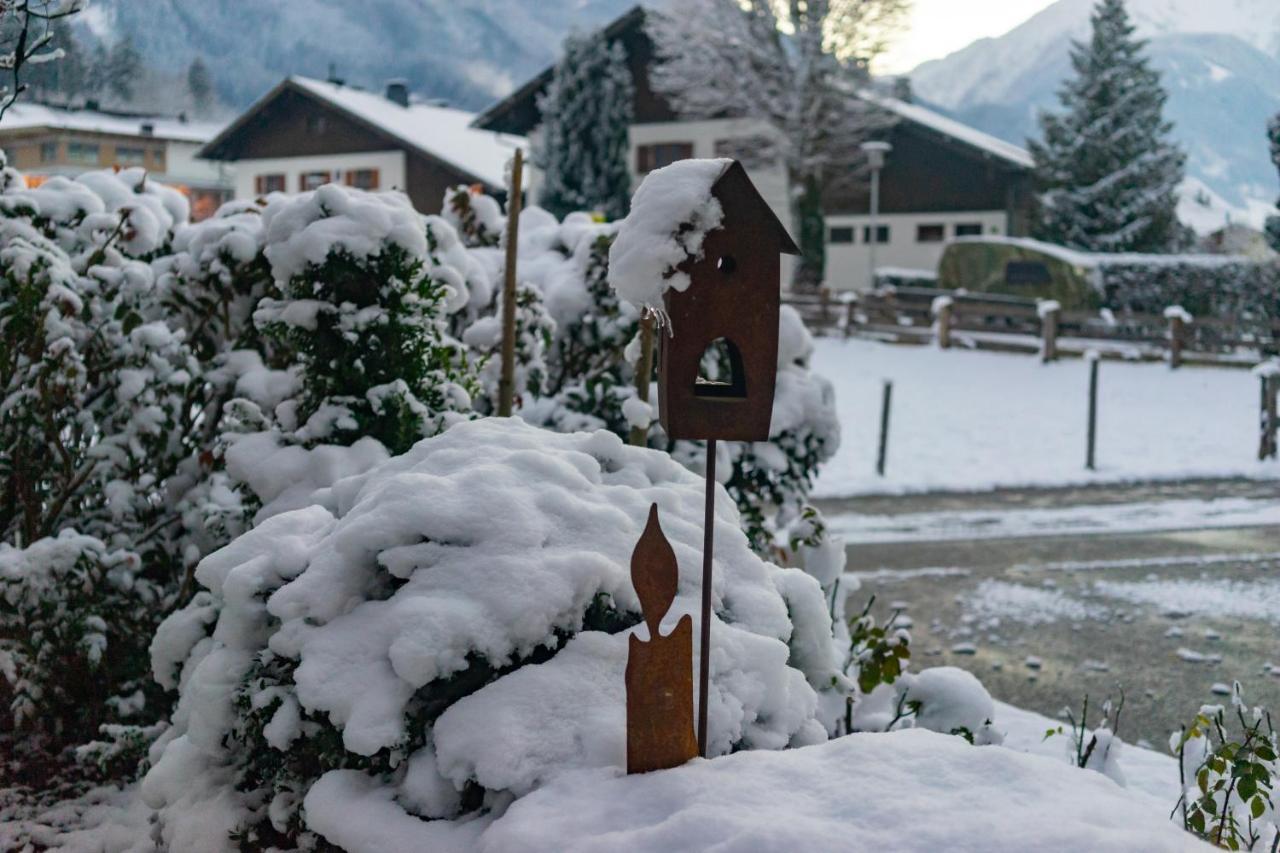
x: 727, y: 265
x: 720, y: 372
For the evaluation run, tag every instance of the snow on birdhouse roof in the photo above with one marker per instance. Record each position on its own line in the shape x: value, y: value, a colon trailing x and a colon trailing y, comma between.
x: 672, y: 211
x: 23, y: 116
x: 443, y: 133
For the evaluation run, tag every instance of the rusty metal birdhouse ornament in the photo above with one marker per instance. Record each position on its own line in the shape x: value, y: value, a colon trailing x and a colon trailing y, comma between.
x: 726, y: 317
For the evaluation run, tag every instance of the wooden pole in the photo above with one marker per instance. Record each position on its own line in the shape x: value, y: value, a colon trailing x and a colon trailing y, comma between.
x: 884, y: 427
x: 1267, y: 446
x: 708, y: 545
x: 644, y: 374
x: 1093, y: 411
x: 507, y: 379
x: 850, y: 310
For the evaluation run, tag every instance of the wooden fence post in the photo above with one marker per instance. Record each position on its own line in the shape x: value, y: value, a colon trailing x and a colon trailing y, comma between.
x: 943, y: 308
x: 824, y: 297
x: 1178, y: 319
x: 850, y: 313
x: 1049, y: 310
x: 884, y: 427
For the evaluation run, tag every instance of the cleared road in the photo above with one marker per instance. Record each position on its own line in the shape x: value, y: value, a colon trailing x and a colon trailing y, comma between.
x: 1050, y: 595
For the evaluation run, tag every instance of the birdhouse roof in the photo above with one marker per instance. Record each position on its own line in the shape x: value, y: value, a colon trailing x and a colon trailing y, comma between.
x: 734, y: 171
x: 672, y: 212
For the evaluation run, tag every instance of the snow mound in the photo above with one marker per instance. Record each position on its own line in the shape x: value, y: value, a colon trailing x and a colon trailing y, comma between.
x: 392, y: 615
x: 904, y: 791
x: 671, y: 213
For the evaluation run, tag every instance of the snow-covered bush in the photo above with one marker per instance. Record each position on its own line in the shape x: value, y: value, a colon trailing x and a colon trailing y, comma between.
x: 70, y: 612
x: 214, y: 278
x: 390, y: 643
x: 104, y: 433
x: 364, y: 315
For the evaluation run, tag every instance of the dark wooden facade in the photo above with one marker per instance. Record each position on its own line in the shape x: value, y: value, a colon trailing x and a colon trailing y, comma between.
x: 291, y: 122
x: 928, y: 171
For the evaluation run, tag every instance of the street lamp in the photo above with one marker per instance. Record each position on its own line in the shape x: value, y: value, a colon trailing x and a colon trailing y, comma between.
x: 875, y: 151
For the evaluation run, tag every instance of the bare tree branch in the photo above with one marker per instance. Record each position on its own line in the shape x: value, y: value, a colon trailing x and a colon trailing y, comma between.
x: 26, y: 31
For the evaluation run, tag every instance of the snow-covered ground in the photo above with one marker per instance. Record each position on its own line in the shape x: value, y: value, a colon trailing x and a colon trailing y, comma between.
x: 977, y: 420
x: 1003, y: 523
x: 910, y: 791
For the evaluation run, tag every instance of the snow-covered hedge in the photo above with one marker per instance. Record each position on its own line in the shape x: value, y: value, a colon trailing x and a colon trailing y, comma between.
x: 389, y: 642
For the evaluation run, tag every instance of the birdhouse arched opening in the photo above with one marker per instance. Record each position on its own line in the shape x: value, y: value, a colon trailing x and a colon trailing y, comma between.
x: 720, y: 371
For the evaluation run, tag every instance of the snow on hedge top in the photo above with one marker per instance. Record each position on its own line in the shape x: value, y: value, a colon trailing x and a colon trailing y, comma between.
x: 301, y: 230
x: 903, y: 791
x: 395, y: 581
x: 672, y: 211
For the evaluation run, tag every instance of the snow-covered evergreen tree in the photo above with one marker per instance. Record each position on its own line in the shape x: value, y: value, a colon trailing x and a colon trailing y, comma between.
x: 586, y: 112
x: 1273, y: 222
x: 1107, y: 166
x: 796, y: 69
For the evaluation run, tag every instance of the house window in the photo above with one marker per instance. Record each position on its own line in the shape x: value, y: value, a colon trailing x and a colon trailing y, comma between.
x: 48, y: 152
x: 126, y: 156
x: 930, y: 233
x: 362, y: 179
x: 83, y: 152
x: 263, y: 184
x: 313, y: 180
x: 882, y: 233
x: 969, y: 229
x: 840, y: 234
x: 650, y: 157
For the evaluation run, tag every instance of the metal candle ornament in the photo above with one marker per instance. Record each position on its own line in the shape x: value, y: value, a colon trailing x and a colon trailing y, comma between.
x: 731, y: 306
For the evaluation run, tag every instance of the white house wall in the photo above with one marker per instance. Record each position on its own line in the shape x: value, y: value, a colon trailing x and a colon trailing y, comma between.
x: 182, y: 166
x: 848, y: 264
x: 390, y: 166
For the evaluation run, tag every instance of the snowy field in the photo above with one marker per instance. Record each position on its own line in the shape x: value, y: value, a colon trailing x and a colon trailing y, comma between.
x: 966, y: 420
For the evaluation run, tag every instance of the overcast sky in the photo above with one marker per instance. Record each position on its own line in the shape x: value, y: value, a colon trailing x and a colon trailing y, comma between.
x: 938, y: 27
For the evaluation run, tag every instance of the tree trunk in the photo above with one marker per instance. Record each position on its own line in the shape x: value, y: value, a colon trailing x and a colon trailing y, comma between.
x: 810, y: 269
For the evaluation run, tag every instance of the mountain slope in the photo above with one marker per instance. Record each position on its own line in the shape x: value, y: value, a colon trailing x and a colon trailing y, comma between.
x: 466, y: 51
x: 1220, y: 62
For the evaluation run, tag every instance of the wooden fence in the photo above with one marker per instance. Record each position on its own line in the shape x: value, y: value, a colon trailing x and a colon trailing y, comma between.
x: 1016, y: 324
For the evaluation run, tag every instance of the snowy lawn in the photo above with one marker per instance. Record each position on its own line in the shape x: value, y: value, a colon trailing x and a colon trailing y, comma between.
x: 909, y: 790
x: 979, y: 420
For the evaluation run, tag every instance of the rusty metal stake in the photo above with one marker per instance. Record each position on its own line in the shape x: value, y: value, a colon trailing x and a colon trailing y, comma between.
x: 708, y: 540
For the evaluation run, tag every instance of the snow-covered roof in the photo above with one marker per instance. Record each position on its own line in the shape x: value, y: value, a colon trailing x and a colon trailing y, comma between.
x: 443, y: 133
x: 950, y: 127
x: 1092, y: 260
x: 26, y: 116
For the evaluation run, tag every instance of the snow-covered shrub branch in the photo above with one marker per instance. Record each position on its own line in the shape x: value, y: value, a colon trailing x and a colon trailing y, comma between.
x: 364, y: 317
x: 26, y: 36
